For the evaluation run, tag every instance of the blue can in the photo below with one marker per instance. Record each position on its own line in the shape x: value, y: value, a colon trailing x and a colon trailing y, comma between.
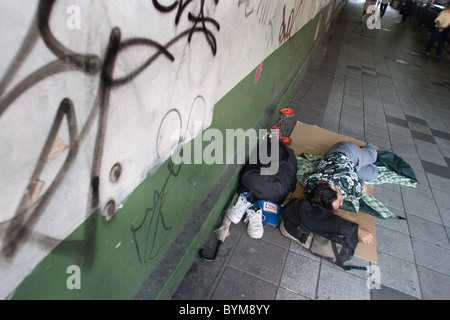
x: 271, y: 212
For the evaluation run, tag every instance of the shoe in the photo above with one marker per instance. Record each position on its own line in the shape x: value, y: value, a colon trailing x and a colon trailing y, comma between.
x: 244, y: 201
x: 255, y: 227
x: 426, y: 54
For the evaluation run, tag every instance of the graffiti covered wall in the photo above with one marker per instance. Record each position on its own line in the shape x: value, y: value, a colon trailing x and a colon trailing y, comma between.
x: 91, y: 93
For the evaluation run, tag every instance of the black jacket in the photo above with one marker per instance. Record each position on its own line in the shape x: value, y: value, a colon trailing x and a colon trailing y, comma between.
x: 318, y: 220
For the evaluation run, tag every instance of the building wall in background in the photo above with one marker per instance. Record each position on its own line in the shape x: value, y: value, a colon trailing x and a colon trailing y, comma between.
x: 95, y: 97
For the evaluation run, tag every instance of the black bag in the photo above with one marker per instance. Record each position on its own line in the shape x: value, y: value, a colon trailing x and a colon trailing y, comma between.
x: 320, y: 231
x: 274, y: 187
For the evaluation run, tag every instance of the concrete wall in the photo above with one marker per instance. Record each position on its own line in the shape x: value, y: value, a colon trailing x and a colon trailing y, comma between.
x: 95, y: 97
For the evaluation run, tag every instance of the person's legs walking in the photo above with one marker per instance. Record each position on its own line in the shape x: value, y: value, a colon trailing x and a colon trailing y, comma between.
x: 433, y: 39
x: 441, y: 41
x: 383, y: 7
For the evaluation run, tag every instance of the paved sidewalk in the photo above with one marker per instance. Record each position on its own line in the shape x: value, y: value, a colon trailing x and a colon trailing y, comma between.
x: 373, y: 85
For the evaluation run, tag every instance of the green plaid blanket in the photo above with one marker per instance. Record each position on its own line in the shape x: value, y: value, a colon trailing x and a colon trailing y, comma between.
x: 307, y: 165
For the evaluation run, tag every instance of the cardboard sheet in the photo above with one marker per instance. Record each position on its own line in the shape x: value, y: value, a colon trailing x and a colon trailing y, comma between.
x: 313, y: 139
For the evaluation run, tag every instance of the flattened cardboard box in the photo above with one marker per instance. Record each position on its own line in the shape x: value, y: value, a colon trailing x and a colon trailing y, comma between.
x: 313, y: 139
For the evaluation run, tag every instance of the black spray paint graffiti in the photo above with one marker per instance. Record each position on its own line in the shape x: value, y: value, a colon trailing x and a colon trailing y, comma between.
x: 151, y: 233
x: 31, y: 209
x: 288, y: 23
x: 266, y: 11
x: 200, y: 19
x: 145, y: 235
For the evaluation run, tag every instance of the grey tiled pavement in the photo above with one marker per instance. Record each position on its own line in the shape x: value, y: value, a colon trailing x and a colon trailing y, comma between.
x: 373, y: 85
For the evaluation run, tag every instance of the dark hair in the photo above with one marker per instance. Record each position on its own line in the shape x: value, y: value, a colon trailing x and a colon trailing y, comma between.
x: 323, y: 195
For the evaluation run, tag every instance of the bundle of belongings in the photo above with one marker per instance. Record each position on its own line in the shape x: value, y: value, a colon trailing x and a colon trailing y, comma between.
x: 320, y: 231
x: 284, y: 198
x: 260, y: 194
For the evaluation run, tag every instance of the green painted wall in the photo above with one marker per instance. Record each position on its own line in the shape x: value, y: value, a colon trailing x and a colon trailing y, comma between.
x: 149, y: 244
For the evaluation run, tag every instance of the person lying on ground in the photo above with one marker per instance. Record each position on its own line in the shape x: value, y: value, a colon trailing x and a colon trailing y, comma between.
x: 341, y: 174
x: 327, y: 197
x: 344, y: 168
